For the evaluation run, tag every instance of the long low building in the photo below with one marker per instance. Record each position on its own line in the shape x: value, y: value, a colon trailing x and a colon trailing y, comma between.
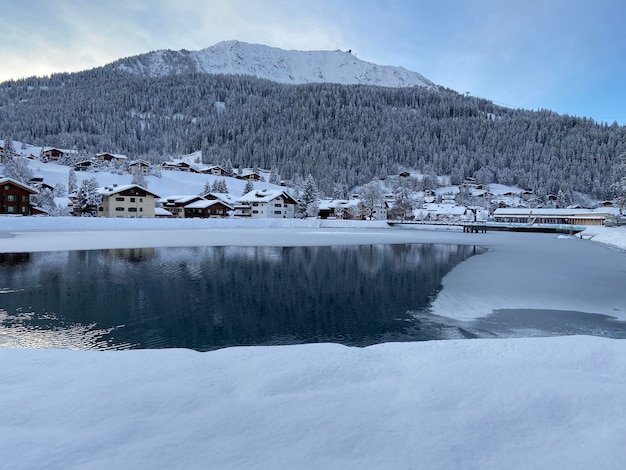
x: 550, y: 216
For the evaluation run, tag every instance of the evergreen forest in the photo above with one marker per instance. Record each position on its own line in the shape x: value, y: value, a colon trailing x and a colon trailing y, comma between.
x: 344, y: 135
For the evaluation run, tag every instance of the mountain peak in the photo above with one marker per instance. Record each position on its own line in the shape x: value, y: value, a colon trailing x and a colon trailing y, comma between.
x: 271, y: 63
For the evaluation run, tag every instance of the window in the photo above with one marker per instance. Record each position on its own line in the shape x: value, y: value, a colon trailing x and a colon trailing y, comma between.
x: 119, y: 209
x: 10, y: 197
x: 24, y: 198
x: 119, y: 198
x: 24, y: 209
x: 10, y: 209
x: 100, y: 209
x: 141, y: 209
x: 278, y: 212
x: 255, y: 212
x: 132, y: 209
x: 255, y: 204
x: 132, y: 199
x: 278, y: 205
x: 6, y: 187
x: 140, y: 199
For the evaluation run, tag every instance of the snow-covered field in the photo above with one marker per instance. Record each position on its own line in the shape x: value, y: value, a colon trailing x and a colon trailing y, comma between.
x: 484, y: 404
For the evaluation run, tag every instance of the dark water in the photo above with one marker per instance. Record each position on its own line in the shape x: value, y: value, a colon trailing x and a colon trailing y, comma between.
x: 211, y: 297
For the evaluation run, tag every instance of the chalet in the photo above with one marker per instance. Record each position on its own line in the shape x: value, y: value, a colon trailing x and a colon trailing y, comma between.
x: 129, y: 200
x: 52, y: 153
x: 176, y: 204
x: 176, y: 166
x: 218, y: 170
x: 248, y: 174
x: 207, y: 209
x: 550, y: 216
x: 84, y: 165
x: 268, y: 203
x: 15, y: 197
x: 111, y: 157
x: 139, y: 167
x: 339, y: 209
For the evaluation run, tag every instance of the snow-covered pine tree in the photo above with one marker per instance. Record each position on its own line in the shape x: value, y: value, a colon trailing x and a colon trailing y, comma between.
x: 219, y: 186
x: 140, y: 180
x: 207, y: 189
x: 7, y: 151
x: 88, y: 198
x: 308, y: 205
x: 72, y: 185
x: 249, y: 187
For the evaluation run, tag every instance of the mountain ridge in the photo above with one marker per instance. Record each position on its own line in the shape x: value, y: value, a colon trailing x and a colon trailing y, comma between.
x: 271, y: 63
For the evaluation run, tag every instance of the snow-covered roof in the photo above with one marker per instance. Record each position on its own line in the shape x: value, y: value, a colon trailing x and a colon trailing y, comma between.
x: 264, y: 195
x: 326, y: 204
x: 115, y: 189
x: 203, y: 204
x: 180, y: 198
x: 4, y: 180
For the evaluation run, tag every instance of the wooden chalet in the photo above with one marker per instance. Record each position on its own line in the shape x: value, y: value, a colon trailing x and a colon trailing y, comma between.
x: 175, y: 204
x: 52, y: 153
x: 15, y: 197
x: 208, y: 209
x: 111, y: 157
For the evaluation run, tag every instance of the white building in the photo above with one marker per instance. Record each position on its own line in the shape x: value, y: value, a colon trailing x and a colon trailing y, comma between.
x: 266, y: 203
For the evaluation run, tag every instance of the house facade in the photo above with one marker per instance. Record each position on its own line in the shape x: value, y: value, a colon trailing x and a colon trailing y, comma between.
x: 15, y: 197
x: 130, y: 201
x: 268, y: 204
x: 207, y: 209
x: 550, y: 216
x: 111, y: 157
x: 176, y: 204
x: 139, y: 167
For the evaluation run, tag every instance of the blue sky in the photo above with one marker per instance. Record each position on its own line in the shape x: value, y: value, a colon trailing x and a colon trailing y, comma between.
x: 565, y: 55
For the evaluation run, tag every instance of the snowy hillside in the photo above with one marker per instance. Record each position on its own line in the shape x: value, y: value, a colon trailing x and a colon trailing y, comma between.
x: 278, y: 65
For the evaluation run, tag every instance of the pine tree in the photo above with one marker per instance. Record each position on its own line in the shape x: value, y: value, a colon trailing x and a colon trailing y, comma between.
x: 140, y: 180
x: 71, y: 181
x: 88, y: 198
x: 308, y: 205
x: 249, y: 187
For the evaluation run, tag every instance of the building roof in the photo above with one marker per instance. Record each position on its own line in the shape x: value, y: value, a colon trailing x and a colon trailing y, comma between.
x: 203, y: 204
x: 114, y: 155
x: 115, y: 189
x: 30, y: 189
x: 180, y: 198
x: 265, y: 195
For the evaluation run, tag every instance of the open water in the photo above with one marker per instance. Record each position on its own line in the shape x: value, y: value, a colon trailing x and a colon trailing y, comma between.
x: 206, y: 298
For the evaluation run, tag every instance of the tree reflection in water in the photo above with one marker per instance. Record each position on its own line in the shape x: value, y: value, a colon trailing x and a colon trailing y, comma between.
x: 210, y: 297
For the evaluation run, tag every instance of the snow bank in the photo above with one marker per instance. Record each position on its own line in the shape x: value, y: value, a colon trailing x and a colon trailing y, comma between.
x: 483, y: 404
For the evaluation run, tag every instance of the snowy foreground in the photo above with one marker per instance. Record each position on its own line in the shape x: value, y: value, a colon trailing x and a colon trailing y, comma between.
x: 539, y: 403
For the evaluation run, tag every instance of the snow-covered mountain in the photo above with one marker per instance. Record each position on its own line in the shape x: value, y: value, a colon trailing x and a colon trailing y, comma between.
x: 278, y: 65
